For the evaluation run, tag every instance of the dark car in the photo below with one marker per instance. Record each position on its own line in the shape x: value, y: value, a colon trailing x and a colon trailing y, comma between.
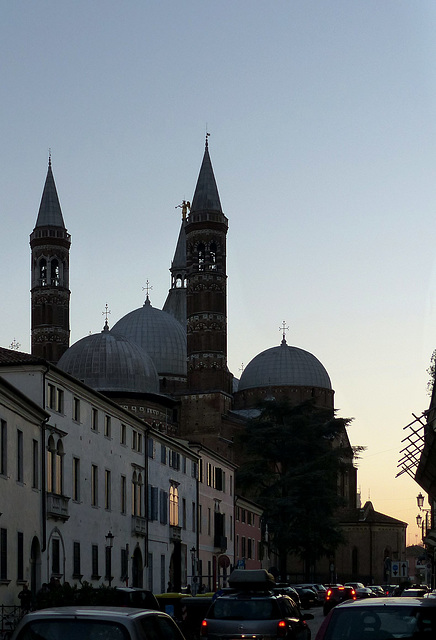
x: 102, y: 623
x: 381, y: 618
x: 286, y: 590
x: 254, y: 611
x: 308, y: 596
x: 336, y: 595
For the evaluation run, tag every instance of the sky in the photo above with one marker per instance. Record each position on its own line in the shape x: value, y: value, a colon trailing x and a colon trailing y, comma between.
x: 322, y: 125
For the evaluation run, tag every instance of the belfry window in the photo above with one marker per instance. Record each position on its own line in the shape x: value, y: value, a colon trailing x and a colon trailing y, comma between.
x: 54, y: 273
x: 201, y: 253
x: 43, y: 272
x: 212, y: 256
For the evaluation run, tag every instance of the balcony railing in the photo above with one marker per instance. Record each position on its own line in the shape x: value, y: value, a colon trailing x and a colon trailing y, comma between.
x: 175, y: 533
x: 57, y: 506
x: 139, y: 526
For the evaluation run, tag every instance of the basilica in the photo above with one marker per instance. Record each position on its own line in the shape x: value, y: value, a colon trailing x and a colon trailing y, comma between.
x: 132, y: 431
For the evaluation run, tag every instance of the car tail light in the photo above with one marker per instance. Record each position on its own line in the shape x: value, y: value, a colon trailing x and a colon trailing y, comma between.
x: 329, y: 593
x: 282, y: 629
x: 353, y: 594
x: 204, y: 629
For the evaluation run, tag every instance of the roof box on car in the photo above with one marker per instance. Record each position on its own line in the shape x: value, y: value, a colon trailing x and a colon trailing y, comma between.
x: 251, y: 579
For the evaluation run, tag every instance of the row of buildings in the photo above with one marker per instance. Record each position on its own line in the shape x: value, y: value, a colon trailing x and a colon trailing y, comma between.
x: 118, y: 453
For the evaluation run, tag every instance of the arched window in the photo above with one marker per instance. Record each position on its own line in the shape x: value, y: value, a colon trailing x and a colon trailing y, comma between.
x: 50, y: 464
x: 43, y: 272
x: 139, y: 488
x: 59, y: 469
x: 174, y: 506
x: 179, y: 281
x: 212, y: 256
x: 54, y: 273
x: 134, y: 492
x: 201, y: 254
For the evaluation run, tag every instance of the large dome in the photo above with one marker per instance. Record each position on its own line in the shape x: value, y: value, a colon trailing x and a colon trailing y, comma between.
x: 110, y: 362
x: 284, y: 366
x: 159, y: 334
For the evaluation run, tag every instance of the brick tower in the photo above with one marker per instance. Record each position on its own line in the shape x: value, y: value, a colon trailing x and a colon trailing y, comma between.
x: 50, y: 293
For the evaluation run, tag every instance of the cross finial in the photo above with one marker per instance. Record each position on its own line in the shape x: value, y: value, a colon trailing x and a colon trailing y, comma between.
x: 14, y: 345
x: 241, y: 368
x: 49, y: 157
x: 207, y: 136
x: 147, y: 288
x: 106, y: 312
x: 283, y: 328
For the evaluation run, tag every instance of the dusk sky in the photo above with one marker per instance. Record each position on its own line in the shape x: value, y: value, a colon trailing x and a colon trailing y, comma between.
x: 322, y: 122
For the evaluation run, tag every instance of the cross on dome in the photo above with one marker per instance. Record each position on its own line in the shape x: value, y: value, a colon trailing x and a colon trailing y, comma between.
x: 283, y: 328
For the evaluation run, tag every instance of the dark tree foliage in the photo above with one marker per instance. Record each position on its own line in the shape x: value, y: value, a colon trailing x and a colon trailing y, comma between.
x: 294, y: 457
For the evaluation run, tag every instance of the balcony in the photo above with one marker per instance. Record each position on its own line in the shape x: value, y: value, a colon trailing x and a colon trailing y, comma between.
x: 220, y: 542
x: 57, y: 506
x: 139, y: 526
x: 175, y: 533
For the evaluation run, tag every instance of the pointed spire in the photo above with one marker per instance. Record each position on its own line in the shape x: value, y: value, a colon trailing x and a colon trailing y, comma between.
x: 206, y: 197
x: 50, y: 214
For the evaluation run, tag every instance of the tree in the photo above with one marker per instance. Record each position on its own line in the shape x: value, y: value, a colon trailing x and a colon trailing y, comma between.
x: 294, y: 457
x: 432, y: 373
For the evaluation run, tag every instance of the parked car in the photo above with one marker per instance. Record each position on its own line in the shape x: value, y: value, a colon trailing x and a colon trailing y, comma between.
x: 355, y: 585
x: 88, y: 623
x: 365, y: 592
x: 378, y: 590
x: 308, y: 597
x: 380, y: 618
x: 416, y: 592
x: 319, y: 590
x: 254, y: 611
x: 336, y: 595
x: 286, y: 590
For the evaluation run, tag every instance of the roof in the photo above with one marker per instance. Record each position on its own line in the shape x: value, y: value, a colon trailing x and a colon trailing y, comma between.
x: 284, y: 366
x: 368, y: 515
x: 206, y: 197
x: 50, y: 214
x: 107, y: 361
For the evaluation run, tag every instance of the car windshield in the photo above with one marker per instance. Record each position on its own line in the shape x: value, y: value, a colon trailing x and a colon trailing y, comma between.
x: 245, y: 609
x: 405, y: 622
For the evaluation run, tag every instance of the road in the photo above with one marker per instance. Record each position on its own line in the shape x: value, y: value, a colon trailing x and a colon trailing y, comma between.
x: 314, y: 624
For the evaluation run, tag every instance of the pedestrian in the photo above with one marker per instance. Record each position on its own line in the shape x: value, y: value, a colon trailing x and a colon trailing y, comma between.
x: 25, y: 597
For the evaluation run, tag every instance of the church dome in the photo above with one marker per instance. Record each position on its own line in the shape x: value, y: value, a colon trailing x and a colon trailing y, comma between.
x: 110, y: 362
x: 159, y: 334
x: 284, y: 366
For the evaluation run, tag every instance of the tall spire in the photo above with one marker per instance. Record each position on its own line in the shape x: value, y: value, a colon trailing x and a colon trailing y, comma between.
x: 206, y: 197
x: 50, y: 214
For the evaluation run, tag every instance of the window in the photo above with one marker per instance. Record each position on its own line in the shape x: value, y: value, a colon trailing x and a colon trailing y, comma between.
x: 54, y: 272
x: 209, y: 474
x: 76, y: 409
x: 20, y: 555
x: 194, y: 469
x: 200, y: 527
x: 123, y: 432
x: 140, y: 442
x: 76, y: 560
x: 59, y: 460
x: 43, y: 272
x: 35, y: 464
x: 94, y: 419
x: 94, y: 485
x: 153, y: 500
x: 150, y: 448
x: 125, y: 564
x: 163, y: 454
x: 231, y: 527
x: 51, y: 396
x: 183, y: 513
x: 174, y: 506
x: 184, y: 464
x: 218, y: 479
x: 208, y: 521
x: 3, y: 554
x: 19, y: 456
x: 123, y: 494
x: 55, y: 556
x: 174, y: 459
x: 76, y: 479
x: 107, y: 426
x: 94, y: 562
x: 107, y: 489
x: 248, y: 547
x: 3, y: 448
x: 193, y: 517
x: 137, y: 489
x: 134, y: 440
x: 59, y: 400
x: 163, y: 508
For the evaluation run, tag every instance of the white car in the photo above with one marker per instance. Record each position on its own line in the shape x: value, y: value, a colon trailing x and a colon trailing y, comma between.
x: 97, y: 623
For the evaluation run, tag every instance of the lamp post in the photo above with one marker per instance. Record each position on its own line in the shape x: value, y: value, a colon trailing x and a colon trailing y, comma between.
x: 194, y: 586
x: 109, y: 544
x: 426, y: 525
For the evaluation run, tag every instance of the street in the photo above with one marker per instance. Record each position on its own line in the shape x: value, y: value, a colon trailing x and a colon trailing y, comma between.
x: 315, y: 624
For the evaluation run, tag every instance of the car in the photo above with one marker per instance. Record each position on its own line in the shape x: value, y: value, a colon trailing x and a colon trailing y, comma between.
x: 381, y: 618
x: 286, y: 590
x: 365, y: 592
x: 416, y: 592
x: 319, y: 590
x: 308, y: 596
x: 336, y: 595
x: 355, y: 585
x: 253, y: 610
x: 104, y: 623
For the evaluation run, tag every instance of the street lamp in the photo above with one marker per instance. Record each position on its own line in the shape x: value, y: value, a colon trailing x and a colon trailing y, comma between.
x: 194, y: 571
x: 109, y: 544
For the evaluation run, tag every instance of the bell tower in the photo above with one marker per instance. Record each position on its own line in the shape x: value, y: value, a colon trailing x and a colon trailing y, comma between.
x: 50, y: 293
x: 206, y: 294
